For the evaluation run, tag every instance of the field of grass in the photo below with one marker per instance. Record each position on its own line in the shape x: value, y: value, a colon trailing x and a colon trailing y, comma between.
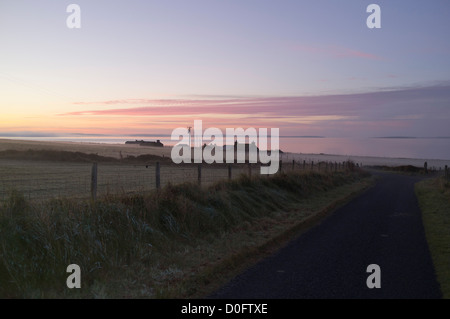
x: 101, y: 149
x: 434, y: 199
x: 41, y: 174
x: 44, y: 179
x: 179, y: 242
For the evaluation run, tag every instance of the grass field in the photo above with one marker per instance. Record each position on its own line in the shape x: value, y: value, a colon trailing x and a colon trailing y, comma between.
x: 179, y: 242
x: 41, y: 180
x: 41, y: 174
x: 101, y: 149
x: 434, y: 200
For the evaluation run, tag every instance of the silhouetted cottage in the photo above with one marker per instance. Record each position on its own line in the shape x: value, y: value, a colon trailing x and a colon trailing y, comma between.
x: 146, y: 143
x: 134, y: 142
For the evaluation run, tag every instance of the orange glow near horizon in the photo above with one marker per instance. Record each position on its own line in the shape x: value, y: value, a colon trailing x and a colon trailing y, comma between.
x: 369, y: 114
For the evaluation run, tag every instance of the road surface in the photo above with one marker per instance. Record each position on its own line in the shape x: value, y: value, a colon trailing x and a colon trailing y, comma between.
x: 383, y: 226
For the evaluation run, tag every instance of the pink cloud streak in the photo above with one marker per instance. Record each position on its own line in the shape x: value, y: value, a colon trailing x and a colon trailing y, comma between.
x: 374, y: 104
x: 400, y: 108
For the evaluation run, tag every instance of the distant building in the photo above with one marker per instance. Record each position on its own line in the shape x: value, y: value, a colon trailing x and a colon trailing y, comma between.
x: 134, y: 142
x: 146, y: 143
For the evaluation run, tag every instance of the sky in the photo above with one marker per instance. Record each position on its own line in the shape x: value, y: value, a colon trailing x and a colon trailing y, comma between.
x: 307, y: 67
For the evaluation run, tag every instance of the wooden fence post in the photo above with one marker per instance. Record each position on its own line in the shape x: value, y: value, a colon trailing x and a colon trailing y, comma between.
x: 293, y: 164
x: 312, y: 165
x: 94, y: 181
x: 304, y: 164
x: 199, y: 170
x: 158, y: 176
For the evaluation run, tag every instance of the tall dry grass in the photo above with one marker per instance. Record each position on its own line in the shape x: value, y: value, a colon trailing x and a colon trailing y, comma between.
x: 143, y: 233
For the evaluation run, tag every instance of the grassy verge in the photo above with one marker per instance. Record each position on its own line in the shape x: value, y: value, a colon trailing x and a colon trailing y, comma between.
x: 434, y: 200
x: 181, y: 242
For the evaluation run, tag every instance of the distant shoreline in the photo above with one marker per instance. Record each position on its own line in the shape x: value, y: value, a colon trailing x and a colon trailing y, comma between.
x: 117, y: 150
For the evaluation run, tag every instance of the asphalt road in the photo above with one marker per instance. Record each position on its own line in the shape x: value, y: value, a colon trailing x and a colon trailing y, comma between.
x: 383, y: 226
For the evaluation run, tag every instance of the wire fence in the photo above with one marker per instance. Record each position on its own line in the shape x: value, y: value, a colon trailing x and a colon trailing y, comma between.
x: 40, y: 180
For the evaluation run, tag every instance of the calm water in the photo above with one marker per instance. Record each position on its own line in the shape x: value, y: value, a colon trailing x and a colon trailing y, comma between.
x: 426, y: 148
x: 423, y: 148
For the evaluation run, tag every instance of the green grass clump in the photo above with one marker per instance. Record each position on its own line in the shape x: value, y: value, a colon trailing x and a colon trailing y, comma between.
x: 133, y: 246
x: 434, y: 199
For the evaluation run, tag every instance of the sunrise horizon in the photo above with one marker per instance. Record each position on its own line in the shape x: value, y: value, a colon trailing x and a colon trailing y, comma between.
x: 147, y: 68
